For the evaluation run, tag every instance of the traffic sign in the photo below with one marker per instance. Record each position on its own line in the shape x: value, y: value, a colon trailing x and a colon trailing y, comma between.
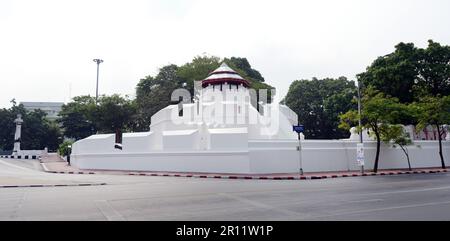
x: 299, y: 128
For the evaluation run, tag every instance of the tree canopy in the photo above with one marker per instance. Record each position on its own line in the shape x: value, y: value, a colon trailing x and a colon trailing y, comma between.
x: 113, y: 113
x: 37, y: 131
x: 76, y: 117
x: 318, y: 104
x: 410, y: 72
x: 434, y: 70
x: 395, y: 73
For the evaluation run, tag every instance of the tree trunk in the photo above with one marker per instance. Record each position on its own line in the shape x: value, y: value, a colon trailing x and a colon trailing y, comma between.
x: 440, y: 147
x: 407, y: 157
x: 377, y: 157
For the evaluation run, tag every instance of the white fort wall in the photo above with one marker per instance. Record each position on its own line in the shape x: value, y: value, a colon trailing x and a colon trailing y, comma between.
x: 261, y: 156
x: 222, y: 132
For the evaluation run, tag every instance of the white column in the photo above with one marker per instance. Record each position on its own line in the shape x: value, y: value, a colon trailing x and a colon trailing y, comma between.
x: 18, y: 133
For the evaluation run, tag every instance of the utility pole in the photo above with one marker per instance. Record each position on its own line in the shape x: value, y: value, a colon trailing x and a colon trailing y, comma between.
x: 98, y: 61
x: 359, y: 123
x: 300, y: 154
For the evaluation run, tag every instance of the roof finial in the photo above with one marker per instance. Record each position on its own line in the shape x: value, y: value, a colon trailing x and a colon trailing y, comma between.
x: 224, y: 64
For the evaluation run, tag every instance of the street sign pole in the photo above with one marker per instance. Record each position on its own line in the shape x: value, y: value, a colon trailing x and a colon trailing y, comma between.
x: 299, y: 129
x: 300, y: 154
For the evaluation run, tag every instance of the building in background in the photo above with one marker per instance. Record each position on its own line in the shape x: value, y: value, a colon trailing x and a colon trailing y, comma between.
x: 51, y: 108
x: 429, y: 133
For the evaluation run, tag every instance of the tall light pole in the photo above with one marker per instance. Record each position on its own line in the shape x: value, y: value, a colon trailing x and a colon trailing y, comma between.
x: 98, y: 61
x: 359, y: 122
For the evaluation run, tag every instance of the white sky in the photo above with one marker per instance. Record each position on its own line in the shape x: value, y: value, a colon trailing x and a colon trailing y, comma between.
x: 47, y: 46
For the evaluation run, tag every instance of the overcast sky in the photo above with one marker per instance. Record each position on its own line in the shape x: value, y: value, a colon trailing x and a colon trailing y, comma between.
x: 47, y: 46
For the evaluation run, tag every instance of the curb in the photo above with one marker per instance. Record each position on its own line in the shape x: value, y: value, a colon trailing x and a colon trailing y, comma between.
x: 334, y: 176
x: 317, y: 177
x: 25, y: 157
x: 55, y: 185
x: 48, y: 171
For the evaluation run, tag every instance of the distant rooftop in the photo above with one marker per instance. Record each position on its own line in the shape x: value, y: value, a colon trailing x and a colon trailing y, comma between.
x: 42, y: 104
x: 51, y: 108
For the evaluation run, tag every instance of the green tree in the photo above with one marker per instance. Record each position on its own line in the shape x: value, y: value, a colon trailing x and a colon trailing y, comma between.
x: 410, y: 72
x: 397, y: 135
x: 64, y: 149
x: 377, y: 112
x: 318, y: 104
x: 395, y: 73
x: 37, y: 131
x: 76, y: 117
x: 113, y: 113
x: 198, y: 69
x: 153, y: 94
x: 434, y: 111
x: 434, y: 70
x: 244, y: 68
x: 8, y: 128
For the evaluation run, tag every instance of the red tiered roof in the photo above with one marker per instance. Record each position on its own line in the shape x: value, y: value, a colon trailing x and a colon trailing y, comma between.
x: 224, y: 74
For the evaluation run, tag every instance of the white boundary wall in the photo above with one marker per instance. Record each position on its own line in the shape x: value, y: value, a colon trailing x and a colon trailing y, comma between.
x: 267, y: 157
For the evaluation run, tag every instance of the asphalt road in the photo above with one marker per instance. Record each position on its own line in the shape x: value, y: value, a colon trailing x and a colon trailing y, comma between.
x: 403, y: 197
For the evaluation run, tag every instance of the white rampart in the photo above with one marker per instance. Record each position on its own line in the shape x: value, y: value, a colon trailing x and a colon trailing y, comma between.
x: 222, y: 132
x: 264, y: 157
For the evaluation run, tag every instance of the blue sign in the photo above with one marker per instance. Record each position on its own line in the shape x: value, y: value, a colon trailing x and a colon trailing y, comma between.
x: 299, y: 128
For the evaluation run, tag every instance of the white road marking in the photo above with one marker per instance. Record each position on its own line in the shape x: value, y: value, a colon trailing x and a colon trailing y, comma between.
x: 108, y: 211
x: 383, y: 209
x: 365, y: 201
x: 259, y: 204
x: 406, y: 191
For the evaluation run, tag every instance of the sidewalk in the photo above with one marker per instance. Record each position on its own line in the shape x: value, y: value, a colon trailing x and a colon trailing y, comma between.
x: 63, y: 168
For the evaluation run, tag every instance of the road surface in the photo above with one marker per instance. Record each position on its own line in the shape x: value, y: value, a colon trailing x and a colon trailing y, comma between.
x: 403, y: 197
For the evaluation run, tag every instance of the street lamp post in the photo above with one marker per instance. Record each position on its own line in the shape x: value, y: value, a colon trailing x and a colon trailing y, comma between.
x: 98, y: 61
x: 359, y: 122
x: 300, y: 154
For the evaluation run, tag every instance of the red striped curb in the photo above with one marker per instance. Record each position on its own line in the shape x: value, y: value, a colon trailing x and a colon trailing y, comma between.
x: 270, y: 178
x: 54, y: 185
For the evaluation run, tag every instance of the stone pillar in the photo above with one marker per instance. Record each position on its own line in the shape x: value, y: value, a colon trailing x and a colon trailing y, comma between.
x: 18, y: 134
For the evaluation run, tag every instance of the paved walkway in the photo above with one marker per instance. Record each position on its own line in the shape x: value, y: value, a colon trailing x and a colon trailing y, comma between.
x: 28, y: 173
x: 52, y: 157
x: 60, y: 166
